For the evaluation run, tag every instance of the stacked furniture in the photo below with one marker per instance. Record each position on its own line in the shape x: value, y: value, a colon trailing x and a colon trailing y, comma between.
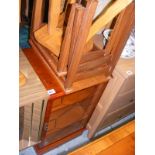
x: 73, y: 57
x: 69, y: 62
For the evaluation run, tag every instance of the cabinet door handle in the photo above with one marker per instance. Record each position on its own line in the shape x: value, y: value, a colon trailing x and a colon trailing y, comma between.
x: 131, y: 100
x: 46, y: 126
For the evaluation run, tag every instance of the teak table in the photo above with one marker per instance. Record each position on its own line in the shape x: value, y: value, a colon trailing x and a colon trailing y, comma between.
x: 32, y: 102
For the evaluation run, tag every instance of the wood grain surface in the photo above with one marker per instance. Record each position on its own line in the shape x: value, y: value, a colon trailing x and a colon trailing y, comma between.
x: 33, y: 90
x: 123, y: 147
x: 22, y: 79
x: 119, y: 141
x: 44, y: 74
x: 118, y: 94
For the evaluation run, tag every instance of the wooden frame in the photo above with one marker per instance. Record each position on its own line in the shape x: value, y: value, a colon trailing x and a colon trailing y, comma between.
x: 117, y: 100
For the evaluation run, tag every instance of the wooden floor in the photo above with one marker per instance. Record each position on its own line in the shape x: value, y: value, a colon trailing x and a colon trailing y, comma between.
x: 119, y: 142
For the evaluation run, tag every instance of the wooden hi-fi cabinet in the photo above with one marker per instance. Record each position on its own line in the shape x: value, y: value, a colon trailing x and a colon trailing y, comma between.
x: 66, y: 115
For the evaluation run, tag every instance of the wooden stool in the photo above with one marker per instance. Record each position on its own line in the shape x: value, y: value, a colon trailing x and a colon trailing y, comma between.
x: 69, y: 50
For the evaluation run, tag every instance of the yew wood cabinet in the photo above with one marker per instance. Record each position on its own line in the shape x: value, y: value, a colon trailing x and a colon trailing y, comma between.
x: 70, y: 65
x: 66, y: 114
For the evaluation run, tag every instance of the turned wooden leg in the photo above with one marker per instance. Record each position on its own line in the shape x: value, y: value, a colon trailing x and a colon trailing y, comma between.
x: 120, y: 34
x: 53, y: 15
x: 80, y: 43
x: 37, y: 15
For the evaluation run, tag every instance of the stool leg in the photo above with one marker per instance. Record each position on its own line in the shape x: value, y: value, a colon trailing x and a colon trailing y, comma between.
x: 53, y: 15
x: 37, y: 15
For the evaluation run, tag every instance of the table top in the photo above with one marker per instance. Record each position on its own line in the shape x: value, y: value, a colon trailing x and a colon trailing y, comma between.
x: 33, y: 90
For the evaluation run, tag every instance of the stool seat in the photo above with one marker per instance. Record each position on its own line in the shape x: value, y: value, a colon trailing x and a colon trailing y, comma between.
x: 51, y: 42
